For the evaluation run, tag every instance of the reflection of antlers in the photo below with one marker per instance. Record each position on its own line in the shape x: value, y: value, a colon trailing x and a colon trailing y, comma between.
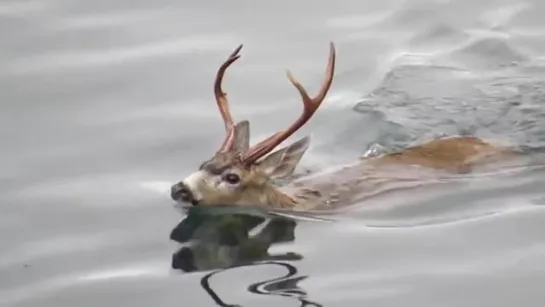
x: 205, y: 284
x: 255, y: 288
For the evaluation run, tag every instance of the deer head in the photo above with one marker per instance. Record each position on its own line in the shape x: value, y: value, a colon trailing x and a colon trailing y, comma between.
x: 238, y: 174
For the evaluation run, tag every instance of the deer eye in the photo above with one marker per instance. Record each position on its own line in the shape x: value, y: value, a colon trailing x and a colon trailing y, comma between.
x: 232, y: 178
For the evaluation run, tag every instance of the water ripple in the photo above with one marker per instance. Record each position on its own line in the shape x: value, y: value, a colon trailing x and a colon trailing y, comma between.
x: 66, y: 60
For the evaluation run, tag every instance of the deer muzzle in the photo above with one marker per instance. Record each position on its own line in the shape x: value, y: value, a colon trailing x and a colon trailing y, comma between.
x: 181, y: 192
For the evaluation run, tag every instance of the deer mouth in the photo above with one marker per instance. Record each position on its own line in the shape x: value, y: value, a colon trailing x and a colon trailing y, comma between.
x: 180, y: 192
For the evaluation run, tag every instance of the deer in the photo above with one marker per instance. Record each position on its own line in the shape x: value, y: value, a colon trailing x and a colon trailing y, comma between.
x: 240, y: 175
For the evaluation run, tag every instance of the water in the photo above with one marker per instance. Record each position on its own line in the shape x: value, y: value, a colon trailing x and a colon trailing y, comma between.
x: 103, y: 104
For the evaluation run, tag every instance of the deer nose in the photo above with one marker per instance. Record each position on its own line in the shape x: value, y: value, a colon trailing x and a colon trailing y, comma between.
x: 180, y: 192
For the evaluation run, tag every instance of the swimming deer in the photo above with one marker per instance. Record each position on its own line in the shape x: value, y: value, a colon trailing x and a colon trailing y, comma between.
x: 238, y: 174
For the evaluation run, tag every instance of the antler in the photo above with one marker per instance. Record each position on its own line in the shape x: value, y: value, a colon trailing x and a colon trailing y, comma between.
x: 310, y: 106
x: 223, y: 104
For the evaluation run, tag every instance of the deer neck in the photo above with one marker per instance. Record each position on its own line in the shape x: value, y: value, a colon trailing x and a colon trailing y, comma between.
x: 325, y: 190
x: 290, y: 197
x: 274, y: 197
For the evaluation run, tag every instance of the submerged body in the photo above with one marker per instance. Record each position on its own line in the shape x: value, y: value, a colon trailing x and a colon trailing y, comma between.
x: 238, y: 174
x: 372, y: 176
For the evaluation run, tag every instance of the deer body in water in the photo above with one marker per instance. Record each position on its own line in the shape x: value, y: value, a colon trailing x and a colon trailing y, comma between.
x: 242, y: 175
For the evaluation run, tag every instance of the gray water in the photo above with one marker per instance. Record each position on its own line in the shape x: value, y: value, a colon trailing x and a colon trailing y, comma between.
x: 105, y: 103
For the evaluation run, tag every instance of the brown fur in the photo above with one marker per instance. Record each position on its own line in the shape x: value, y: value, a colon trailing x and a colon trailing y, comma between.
x: 357, y: 182
x: 456, y: 155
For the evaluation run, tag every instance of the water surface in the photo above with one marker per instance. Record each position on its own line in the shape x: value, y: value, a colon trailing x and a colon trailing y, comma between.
x: 103, y: 104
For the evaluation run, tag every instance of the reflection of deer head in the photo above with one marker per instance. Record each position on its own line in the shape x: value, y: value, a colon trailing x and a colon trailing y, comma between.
x: 218, y: 238
x: 283, y: 286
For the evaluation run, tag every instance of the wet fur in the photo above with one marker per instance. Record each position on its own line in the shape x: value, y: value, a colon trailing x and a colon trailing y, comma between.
x: 345, y: 186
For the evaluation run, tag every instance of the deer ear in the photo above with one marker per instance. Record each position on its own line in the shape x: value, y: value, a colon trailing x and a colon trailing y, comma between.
x: 282, y: 162
x: 242, y: 136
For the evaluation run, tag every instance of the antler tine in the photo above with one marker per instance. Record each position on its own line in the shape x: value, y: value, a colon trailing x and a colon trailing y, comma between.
x: 310, y: 105
x: 223, y: 104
